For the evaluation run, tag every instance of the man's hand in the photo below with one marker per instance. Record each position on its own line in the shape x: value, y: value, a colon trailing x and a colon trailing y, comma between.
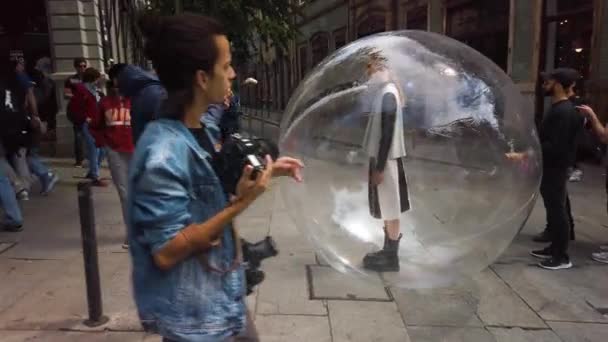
x: 377, y: 177
x: 516, y: 156
x: 586, y: 111
x: 287, y: 166
x: 247, y: 189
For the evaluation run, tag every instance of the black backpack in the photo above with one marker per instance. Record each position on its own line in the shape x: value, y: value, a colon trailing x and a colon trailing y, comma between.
x: 15, y: 125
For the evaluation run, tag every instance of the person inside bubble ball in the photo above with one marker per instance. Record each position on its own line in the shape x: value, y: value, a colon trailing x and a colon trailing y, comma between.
x: 385, y: 144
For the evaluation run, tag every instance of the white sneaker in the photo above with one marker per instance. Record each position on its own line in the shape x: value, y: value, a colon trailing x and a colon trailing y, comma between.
x: 23, y: 195
x: 600, y: 257
x: 576, y: 176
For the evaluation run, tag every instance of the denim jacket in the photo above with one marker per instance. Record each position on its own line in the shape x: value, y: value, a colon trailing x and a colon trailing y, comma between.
x: 171, y: 185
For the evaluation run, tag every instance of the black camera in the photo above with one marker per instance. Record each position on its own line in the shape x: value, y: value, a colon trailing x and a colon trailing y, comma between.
x: 253, y: 254
x: 237, y: 152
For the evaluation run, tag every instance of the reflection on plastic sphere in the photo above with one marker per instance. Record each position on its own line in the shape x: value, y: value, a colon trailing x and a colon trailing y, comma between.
x: 421, y: 134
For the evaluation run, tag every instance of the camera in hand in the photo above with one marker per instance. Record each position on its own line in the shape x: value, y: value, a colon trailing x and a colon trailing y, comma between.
x: 237, y: 152
x: 253, y: 254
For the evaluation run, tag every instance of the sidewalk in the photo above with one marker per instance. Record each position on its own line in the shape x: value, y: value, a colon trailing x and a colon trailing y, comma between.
x: 43, y: 297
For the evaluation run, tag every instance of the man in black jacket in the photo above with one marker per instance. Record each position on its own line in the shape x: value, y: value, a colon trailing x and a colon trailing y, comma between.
x: 558, y: 141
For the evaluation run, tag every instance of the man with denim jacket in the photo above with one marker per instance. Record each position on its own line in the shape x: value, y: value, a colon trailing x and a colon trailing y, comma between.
x: 188, y: 279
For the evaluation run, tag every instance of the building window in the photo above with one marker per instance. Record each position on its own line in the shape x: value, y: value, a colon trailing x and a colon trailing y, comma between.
x: 484, y: 26
x: 566, y: 42
x: 320, y: 47
x: 569, y: 5
x: 303, y: 59
x: 339, y: 38
x: 417, y: 18
x: 373, y: 23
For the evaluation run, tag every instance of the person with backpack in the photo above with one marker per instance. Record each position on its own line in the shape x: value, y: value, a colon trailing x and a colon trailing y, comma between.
x: 26, y: 127
x: 84, y: 107
x: 8, y: 201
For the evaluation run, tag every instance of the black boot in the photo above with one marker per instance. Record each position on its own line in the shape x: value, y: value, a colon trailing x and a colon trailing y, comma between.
x: 385, y: 260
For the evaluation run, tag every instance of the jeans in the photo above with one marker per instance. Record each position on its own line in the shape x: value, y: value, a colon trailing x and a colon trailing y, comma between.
x: 94, y: 153
x: 30, y: 163
x: 78, y: 143
x: 553, y: 191
x: 9, y: 202
x: 8, y: 171
x: 119, y: 169
x: 250, y: 334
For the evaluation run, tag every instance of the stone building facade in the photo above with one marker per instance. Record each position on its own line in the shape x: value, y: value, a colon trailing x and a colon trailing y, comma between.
x: 98, y: 30
x: 523, y: 37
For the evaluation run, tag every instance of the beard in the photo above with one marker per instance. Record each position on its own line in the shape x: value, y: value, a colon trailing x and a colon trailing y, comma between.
x: 549, y: 92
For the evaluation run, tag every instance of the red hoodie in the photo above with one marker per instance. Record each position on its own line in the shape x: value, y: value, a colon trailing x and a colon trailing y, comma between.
x: 114, y: 120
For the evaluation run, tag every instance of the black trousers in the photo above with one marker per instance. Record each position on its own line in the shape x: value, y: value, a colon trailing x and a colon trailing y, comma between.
x: 555, y: 197
x: 78, y: 152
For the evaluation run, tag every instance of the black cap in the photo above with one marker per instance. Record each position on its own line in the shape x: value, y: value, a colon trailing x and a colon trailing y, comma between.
x: 564, y: 76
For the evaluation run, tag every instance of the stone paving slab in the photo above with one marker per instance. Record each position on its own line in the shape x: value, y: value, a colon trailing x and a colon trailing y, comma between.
x: 293, y: 328
x: 366, y: 322
x: 559, y: 296
x: 580, y: 332
x: 6, y: 245
x: 328, y: 283
x: 60, y: 301
x: 499, y: 305
x: 449, y: 334
x: 486, y: 300
x: 456, y: 306
x: 19, y: 277
x: 521, y: 335
x: 285, y: 289
x: 287, y: 235
x: 62, y: 336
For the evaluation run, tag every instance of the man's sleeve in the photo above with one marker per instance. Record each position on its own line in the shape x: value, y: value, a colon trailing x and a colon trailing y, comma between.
x: 160, y: 197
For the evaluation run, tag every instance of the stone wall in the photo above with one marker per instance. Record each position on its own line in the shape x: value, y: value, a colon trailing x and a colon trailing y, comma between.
x: 74, y: 32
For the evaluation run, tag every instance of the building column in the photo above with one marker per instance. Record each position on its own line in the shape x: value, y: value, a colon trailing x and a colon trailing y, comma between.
x: 74, y: 32
x: 598, y: 76
x: 436, y: 16
x: 525, y: 20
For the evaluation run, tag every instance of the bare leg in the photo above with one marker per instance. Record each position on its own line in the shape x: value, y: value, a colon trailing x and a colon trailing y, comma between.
x: 392, y: 229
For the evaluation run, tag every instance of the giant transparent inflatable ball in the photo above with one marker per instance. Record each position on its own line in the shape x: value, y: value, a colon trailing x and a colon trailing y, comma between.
x: 419, y: 134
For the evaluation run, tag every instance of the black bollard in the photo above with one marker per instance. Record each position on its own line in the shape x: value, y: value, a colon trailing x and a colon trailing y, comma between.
x: 89, y: 252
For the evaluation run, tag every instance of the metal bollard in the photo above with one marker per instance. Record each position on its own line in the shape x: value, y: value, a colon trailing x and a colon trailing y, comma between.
x: 89, y: 252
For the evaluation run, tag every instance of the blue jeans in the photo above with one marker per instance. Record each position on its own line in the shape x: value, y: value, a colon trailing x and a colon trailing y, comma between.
x: 94, y: 153
x: 9, y: 202
x: 37, y: 167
